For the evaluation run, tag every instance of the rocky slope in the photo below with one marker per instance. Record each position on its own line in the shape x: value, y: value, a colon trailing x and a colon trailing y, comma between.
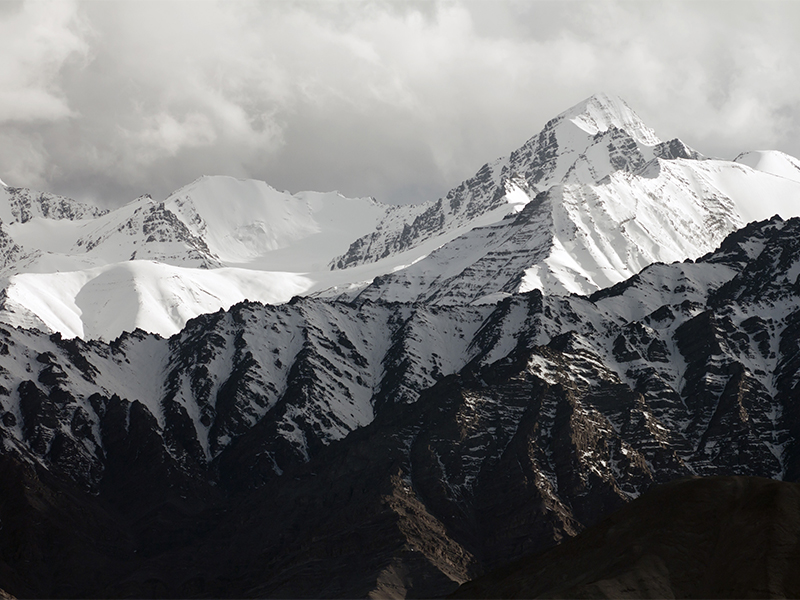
x: 727, y: 537
x: 404, y: 447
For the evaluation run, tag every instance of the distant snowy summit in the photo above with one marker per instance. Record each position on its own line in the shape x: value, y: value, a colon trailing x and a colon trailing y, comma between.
x: 771, y: 161
x: 589, y: 201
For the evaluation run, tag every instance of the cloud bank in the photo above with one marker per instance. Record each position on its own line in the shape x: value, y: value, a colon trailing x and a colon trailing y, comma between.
x: 109, y: 100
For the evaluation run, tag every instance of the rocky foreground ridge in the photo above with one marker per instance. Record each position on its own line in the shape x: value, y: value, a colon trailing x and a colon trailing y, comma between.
x: 333, y: 449
x: 718, y: 537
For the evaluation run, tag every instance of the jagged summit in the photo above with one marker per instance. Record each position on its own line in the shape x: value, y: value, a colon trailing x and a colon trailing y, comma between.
x: 600, y: 112
x: 584, y: 144
x: 603, y: 198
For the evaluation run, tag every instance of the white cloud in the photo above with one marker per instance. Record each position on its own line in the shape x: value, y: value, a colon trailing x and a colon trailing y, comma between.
x: 37, y: 40
x: 166, y: 135
x: 397, y: 100
x: 24, y: 158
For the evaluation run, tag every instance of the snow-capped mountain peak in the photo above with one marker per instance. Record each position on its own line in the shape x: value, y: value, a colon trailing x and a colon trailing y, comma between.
x: 611, y: 198
x: 601, y: 112
x: 584, y: 144
x: 245, y: 221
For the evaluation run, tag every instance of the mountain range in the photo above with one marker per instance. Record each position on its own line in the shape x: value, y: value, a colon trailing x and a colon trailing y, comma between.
x: 389, y: 401
x: 588, y: 202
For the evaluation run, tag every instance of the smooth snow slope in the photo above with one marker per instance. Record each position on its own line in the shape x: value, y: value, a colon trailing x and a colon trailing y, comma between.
x: 771, y: 161
x: 250, y: 224
x: 103, y: 302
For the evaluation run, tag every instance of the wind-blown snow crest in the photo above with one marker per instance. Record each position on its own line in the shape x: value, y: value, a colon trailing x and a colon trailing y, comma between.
x: 247, y: 223
x: 601, y: 112
x: 771, y: 161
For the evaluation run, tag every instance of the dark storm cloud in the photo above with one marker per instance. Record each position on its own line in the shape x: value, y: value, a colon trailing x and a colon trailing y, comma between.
x: 108, y: 100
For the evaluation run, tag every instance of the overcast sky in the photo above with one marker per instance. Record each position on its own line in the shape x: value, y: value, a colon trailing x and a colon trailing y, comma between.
x: 401, y: 101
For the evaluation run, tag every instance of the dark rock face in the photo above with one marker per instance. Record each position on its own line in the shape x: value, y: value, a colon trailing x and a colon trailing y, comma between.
x: 405, y: 449
x: 676, y: 149
x: 27, y: 204
x: 720, y: 537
